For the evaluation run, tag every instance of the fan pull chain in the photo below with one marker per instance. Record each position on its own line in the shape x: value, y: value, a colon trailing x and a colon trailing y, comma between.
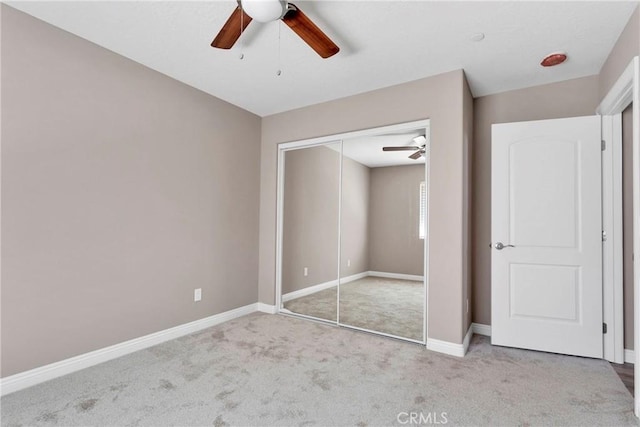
x: 279, y: 72
x: 241, y: 30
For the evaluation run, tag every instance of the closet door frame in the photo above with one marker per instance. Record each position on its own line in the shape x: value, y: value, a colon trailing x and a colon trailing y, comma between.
x: 323, y: 140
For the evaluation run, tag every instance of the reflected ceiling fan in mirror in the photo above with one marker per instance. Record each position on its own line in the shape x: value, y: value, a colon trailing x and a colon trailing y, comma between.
x: 419, y: 147
x: 274, y: 10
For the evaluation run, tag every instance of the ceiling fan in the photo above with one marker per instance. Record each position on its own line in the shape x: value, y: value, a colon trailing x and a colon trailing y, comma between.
x: 273, y: 10
x: 420, y: 145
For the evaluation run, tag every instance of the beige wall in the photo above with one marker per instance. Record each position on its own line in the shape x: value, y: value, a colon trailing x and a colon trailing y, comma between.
x: 395, y: 246
x: 439, y: 98
x: 354, y: 222
x: 122, y: 191
x: 627, y: 224
x: 627, y: 46
x: 310, y: 217
x: 578, y: 97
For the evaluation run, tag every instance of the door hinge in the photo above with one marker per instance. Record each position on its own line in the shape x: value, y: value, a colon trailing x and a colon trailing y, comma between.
x: 604, y: 328
x: 604, y: 236
x: 603, y: 144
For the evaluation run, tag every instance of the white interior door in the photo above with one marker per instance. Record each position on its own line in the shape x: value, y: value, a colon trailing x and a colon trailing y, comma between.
x: 546, y: 231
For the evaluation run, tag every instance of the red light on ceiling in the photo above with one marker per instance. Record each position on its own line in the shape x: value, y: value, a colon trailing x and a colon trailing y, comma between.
x: 553, y: 59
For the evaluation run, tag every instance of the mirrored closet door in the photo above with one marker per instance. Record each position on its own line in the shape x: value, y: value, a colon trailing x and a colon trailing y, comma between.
x: 352, y: 221
x: 382, y: 233
x: 310, y: 197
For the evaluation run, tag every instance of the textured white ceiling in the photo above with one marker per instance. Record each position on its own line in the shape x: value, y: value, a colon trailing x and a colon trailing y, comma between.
x: 368, y: 150
x: 382, y: 43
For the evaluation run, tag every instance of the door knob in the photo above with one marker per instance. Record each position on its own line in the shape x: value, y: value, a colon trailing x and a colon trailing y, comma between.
x: 500, y: 246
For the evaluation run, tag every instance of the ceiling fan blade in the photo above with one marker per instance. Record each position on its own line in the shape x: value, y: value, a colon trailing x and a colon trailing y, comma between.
x: 232, y: 30
x: 309, y: 32
x: 416, y: 155
x: 400, y: 148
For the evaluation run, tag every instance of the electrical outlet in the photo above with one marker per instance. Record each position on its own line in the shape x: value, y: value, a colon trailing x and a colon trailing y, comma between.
x: 348, y: 263
x: 306, y: 271
x: 197, y: 294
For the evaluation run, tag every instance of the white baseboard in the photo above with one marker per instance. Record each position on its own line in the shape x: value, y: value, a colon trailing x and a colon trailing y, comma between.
x: 452, y: 349
x: 266, y: 308
x: 39, y: 375
x: 480, y: 329
x: 446, y: 347
x: 629, y: 356
x: 396, y: 276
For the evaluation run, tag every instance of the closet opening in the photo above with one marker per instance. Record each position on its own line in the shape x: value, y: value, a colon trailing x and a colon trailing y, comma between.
x: 352, y: 230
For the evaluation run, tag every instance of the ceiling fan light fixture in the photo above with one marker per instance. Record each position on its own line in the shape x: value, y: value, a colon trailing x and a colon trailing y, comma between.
x: 420, y: 140
x: 274, y: 10
x: 265, y: 10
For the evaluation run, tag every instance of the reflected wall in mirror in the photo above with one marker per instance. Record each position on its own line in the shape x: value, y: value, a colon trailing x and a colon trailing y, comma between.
x: 382, y: 285
x: 310, y: 231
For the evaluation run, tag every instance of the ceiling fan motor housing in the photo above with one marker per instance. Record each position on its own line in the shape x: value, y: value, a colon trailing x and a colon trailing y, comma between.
x: 264, y: 10
x: 273, y: 10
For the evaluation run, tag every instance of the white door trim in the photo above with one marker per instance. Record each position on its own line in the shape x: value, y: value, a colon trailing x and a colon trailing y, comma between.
x: 612, y: 295
x: 625, y: 91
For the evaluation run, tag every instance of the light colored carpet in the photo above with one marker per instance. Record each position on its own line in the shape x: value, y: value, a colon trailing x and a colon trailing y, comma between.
x: 391, y: 306
x: 278, y: 370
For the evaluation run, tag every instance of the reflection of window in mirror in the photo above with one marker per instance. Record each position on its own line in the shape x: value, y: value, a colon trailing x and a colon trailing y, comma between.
x: 423, y: 209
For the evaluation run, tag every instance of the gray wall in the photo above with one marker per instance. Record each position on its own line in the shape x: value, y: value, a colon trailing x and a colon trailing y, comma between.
x: 578, y: 97
x: 122, y: 191
x: 310, y: 217
x: 395, y: 246
x: 440, y: 98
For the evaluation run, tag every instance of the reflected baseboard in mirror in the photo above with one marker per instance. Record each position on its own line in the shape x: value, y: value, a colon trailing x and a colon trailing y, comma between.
x: 319, y: 301
x: 368, y: 301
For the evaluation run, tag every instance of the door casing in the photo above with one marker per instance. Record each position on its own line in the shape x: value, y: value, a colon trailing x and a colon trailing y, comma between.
x: 625, y: 91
